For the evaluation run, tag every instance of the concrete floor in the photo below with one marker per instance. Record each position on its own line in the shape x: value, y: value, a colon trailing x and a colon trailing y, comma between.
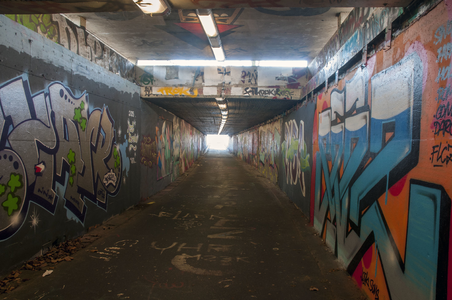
x: 220, y: 232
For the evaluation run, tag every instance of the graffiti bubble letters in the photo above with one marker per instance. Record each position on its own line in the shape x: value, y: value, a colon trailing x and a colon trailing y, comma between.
x: 296, y: 158
x: 365, y: 148
x: 178, y: 91
x: 52, y: 139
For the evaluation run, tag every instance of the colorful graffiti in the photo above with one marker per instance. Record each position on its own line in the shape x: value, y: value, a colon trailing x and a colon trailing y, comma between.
x: 296, y: 158
x: 176, y: 148
x: 277, y: 93
x: 62, y: 31
x: 53, y: 144
x: 367, y: 144
x: 163, y: 138
x: 148, y: 151
x: 379, y: 191
x: 178, y: 91
x: 132, y: 136
x: 270, y: 149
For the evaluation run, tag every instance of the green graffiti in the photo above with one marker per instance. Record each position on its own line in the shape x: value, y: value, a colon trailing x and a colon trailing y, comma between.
x: 117, y: 158
x: 147, y: 78
x: 71, y: 160
x: 293, y: 149
x: 39, y: 23
x: 15, y: 182
x: 304, y: 159
x: 78, y: 116
x: 71, y: 156
x: 10, y: 205
x: 83, y: 124
x: 2, y: 189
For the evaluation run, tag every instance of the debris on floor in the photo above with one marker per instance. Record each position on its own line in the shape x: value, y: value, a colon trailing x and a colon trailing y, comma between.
x: 47, y: 273
x: 46, y: 261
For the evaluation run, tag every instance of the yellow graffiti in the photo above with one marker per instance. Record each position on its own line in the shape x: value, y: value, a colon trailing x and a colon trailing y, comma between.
x: 178, y: 91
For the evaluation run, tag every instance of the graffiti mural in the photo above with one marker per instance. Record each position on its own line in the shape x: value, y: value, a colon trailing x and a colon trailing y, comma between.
x: 376, y: 148
x: 132, y: 136
x: 176, y: 148
x: 296, y: 156
x: 270, y: 149
x: 53, y: 140
x: 163, y: 139
x: 177, y: 91
x: 367, y: 144
x: 62, y: 31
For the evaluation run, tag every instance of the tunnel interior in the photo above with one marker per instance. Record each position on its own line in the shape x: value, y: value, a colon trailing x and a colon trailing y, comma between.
x: 358, y: 139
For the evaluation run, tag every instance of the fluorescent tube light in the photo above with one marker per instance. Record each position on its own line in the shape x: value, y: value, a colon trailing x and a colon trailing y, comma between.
x: 208, y: 23
x: 218, y: 53
x: 152, y: 6
x: 282, y: 63
x: 225, y: 63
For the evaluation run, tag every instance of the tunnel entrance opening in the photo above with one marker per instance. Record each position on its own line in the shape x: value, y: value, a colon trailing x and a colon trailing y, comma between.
x: 217, y: 142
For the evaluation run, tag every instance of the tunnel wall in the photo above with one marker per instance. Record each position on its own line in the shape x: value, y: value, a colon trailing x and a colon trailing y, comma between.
x: 367, y: 160
x: 77, y: 145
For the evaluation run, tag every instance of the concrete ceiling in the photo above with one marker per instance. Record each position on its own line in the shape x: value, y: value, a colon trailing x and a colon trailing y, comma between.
x: 249, y: 30
x: 246, y: 33
x: 78, y: 6
x: 203, y: 113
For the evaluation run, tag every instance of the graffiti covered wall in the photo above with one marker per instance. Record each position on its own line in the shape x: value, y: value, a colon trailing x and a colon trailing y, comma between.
x: 60, y: 30
x: 296, y: 156
x: 376, y: 152
x: 270, y: 150
x: 74, y: 145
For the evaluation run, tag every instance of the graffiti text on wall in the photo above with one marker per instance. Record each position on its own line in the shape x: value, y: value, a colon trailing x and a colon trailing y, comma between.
x: 53, y: 144
x: 163, y: 138
x: 270, y: 150
x: 132, y: 136
x: 278, y: 93
x: 178, y: 91
x: 58, y: 29
x: 249, y: 77
x: 296, y: 158
x: 442, y: 120
x: 364, y: 150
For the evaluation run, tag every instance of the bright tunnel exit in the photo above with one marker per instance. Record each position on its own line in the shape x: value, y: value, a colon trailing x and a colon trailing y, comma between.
x: 217, y: 142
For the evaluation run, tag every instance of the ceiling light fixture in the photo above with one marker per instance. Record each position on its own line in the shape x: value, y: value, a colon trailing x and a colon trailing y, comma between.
x: 225, y: 63
x: 207, y: 22
x: 154, y: 7
x: 282, y: 63
x: 218, y: 53
x: 210, y: 28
